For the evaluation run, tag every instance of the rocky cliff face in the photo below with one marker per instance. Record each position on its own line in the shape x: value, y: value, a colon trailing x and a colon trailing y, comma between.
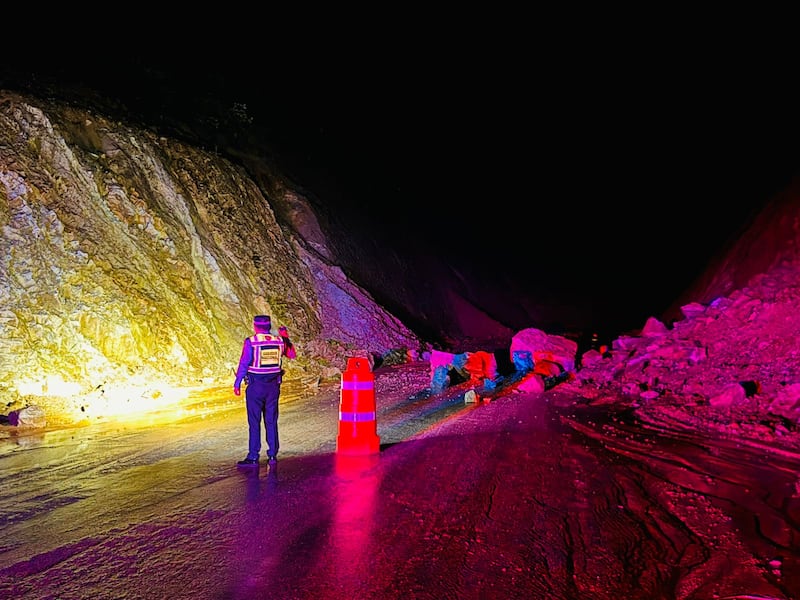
x: 132, y: 263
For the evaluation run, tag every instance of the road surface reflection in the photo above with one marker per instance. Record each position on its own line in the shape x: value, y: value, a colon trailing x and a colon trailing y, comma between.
x: 526, y: 496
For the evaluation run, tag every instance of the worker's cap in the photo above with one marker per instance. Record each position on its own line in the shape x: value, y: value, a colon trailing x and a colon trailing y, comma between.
x: 262, y: 320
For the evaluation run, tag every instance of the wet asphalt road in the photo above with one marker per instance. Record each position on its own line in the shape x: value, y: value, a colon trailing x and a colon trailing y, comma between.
x: 526, y: 496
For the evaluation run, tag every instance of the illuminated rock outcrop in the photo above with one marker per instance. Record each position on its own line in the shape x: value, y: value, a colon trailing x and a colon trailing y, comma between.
x: 128, y: 259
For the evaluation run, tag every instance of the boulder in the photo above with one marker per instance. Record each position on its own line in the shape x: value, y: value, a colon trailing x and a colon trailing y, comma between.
x: 30, y: 416
x: 543, y: 346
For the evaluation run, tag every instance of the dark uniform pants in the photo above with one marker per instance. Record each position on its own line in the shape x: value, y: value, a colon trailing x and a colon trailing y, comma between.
x: 261, y: 396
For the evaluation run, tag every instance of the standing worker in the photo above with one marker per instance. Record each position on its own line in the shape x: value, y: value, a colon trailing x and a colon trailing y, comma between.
x: 260, y: 367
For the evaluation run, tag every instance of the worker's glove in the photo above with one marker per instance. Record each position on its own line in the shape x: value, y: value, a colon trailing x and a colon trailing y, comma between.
x: 282, y: 331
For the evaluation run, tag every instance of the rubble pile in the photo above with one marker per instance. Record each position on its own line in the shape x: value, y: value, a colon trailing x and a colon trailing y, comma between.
x: 732, y: 366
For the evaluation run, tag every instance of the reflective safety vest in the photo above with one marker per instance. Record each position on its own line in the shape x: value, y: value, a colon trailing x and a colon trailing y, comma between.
x: 267, y: 353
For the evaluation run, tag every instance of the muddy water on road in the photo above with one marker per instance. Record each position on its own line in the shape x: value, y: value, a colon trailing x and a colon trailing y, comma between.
x: 527, y: 496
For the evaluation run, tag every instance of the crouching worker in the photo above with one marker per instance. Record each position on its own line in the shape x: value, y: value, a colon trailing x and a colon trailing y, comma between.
x: 260, y: 368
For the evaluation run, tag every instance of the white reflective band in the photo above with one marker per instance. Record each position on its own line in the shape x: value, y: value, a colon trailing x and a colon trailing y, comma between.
x: 356, y: 417
x: 357, y: 385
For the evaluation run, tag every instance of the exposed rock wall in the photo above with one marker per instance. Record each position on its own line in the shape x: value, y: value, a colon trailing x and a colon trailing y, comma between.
x: 126, y: 256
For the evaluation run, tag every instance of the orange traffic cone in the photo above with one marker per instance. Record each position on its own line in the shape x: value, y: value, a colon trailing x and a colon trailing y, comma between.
x: 358, y: 430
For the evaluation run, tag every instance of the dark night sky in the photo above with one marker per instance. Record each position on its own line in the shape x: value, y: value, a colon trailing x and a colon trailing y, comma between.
x: 593, y: 163
x: 592, y: 169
